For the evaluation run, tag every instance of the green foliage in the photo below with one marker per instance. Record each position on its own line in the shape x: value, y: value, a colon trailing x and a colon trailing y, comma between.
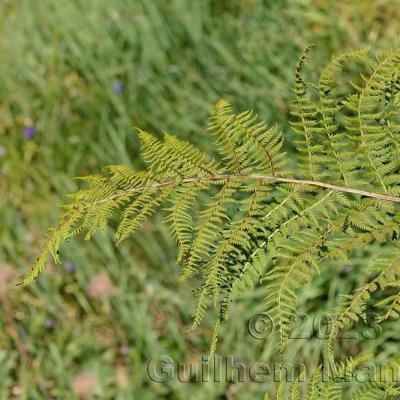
x: 328, y: 385
x: 60, y: 61
x: 262, y: 220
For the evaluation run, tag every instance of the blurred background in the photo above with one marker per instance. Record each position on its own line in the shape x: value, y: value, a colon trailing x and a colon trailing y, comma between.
x: 76, y: 77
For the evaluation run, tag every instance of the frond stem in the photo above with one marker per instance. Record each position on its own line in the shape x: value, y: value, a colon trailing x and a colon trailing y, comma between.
x: 223, y: 177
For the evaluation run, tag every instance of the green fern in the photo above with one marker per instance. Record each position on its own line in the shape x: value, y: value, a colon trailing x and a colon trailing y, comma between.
x: 343, y: 195
x: 322, y: 385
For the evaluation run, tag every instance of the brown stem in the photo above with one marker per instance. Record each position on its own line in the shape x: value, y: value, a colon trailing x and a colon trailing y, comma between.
x: 278, y: 179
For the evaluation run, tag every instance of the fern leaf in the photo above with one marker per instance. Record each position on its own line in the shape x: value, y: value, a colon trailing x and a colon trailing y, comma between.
x: 264, y: 220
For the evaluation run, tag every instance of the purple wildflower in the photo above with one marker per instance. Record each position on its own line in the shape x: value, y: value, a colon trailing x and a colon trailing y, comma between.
x: 49, y: 323
x: 347, y: 267
x: 118, y: 88
x: 69, y: 267
x: 29, y: 131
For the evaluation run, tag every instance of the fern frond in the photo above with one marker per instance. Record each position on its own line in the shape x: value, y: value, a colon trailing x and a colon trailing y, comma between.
x: 200, y: 309
x: 314, y: 385
x: 209, y: 230
x: 245, y: 142
x: 226, y: 140
x: 295, y: 268
x: 263, y: 221
x: 267, y: 396
x: 295, y: 391
x: 354, y: 307
x: 214, y: 338
x: 374, y: 143
x: 384, y: 385
x: 305, y: 125
x: 333, y: 385
x: 180, y: 219
x: 327, y: 80
x: 338, y: 154
x: 66, y: 229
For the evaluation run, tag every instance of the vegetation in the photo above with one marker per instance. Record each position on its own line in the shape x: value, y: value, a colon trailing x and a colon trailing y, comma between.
x: 337, y: 199
x: 52, y: 137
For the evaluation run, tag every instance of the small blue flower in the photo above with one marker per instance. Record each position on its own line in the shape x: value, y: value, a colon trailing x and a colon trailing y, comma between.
x: 118, y: 88
x: 69, y: 267
x: 49, y: 323
x: 347, y: 267
x: 29, y: 131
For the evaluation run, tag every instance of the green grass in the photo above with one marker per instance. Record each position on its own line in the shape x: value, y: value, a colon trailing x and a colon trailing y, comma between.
x: 59, y: 63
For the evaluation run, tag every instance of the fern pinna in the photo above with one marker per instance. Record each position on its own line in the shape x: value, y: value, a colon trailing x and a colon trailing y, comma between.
x: 265, y: 222
x: 330, y: 387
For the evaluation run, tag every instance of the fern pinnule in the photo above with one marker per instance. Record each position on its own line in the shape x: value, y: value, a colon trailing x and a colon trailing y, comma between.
x: 139, y: 210
x: 180, y: 219
x: 226, y: 141
x: 201, y: 299
x: 208, y: 232
x: 294, y: 268
x: 295, y: 393
x: 267, y: 396
x: 214, y: 337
